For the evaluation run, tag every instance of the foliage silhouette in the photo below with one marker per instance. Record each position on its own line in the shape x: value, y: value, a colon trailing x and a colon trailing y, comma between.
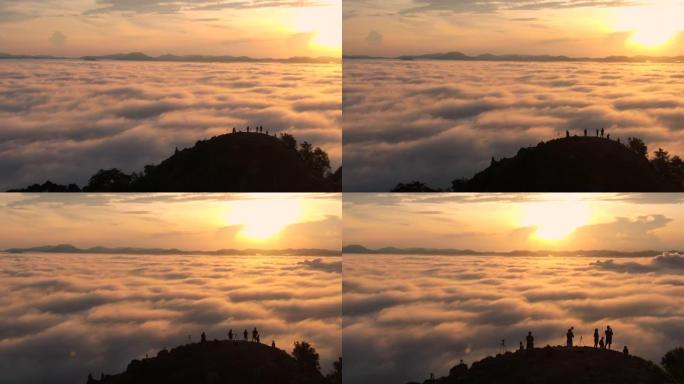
x: 673, y: 362
x: 306, y: 354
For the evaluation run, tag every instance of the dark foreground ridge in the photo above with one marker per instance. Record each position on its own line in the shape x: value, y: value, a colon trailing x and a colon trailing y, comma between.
x: 574, y: 164
x: 219, y: 362
x: 235, y: 162
x: 558, y: 365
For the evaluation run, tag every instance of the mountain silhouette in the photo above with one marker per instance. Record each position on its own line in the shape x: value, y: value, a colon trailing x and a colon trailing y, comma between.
x: 360, y: 249
x: 573, y: 164
x: 72, y: 249
x: 459, y: 56
x: 558, y: 365
x: 235, y: 162
x: 217, y: 362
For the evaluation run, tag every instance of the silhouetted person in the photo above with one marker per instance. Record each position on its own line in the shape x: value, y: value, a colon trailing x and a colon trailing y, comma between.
x: 233, y: 129
x: 248, y: 129
x: 521, y: 348
x: 203, y: 338
x: 601, y: 132
x: 273, y: 344
x: 530, y: 341
x: 567, y: 134
x: 585, y: 133
x: 596, y: 337
x: 597, y: 133
x: 255, y: 335
x: 569, y: 336
x: 245, y: 334
x: 602, y: 344
x: 609, y: 336
x: 625, y: 350
x: 266, y: 133
x: 608, y: 136
x: 230, y: 335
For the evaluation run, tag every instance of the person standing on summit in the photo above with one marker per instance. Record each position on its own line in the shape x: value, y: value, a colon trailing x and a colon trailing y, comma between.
x: 596, y: 337
x: 569, y: 336
x: 609, y: 336
x: 530, y: 341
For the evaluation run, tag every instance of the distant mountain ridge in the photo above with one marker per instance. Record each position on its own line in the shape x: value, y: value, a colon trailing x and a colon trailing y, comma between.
x: 140, y: 56
x: 459, y: 56
x: 360, y: 249
x: 69, y: 248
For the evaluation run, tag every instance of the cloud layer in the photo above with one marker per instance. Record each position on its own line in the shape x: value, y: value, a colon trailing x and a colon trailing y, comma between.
x: 408, y: 316
x: 65, y: 120
x: 64, y: 316
x: 438, y: 121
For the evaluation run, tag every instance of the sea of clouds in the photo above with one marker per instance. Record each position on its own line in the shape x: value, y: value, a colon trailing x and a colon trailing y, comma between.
x: 64, y: 316
x: 408, y: 316
x: 65, y: 120
x: 438, y: 121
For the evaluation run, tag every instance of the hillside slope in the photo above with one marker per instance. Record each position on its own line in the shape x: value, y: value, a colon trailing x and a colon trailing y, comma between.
x: 558, y: 365
x: 217, y: 362
x: 574, y: 164
x: 248, y: 162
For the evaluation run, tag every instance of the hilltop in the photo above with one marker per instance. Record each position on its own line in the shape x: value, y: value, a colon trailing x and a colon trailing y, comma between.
x: 558, y: 365
x: 234, y: 162
x: 218, y: 362
x: 574, y: 164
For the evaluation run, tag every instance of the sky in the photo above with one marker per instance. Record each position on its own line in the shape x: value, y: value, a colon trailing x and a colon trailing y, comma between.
x: 567, y: 27
x: 184, y: 221
x: 499, y: 222
x: 257, y: 28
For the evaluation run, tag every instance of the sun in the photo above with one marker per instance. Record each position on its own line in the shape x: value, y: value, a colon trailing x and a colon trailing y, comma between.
x: 555, y: 220
x: 651, y: 26
x: 324, y: 23
x: 262, y: 219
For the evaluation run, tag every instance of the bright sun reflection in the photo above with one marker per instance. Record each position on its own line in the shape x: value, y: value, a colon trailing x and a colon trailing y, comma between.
x: 263, y: 218
x: 555, y: 220
x: 652, y: 25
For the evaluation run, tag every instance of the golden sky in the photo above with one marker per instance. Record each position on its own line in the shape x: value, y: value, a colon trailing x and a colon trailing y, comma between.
x: 257, y: 28
x: 566, y: 27
x: 494, y: 222
x: 185, y: 221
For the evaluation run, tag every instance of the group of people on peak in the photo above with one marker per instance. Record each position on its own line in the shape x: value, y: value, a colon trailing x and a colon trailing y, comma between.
x: 257, y: 129
x: 603, y: 342
x: 599, y: 133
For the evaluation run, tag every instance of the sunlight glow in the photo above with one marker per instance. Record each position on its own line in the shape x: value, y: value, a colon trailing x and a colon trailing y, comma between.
x: 262, y: 219
x: 325, y: 26
x: 555, y: 220
x: 653, y: 25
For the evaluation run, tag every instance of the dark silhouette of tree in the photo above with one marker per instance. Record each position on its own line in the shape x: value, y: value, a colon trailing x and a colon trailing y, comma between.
x: 638, y: 146
x: 109, y: 180
x: 335, y: 377
x: 661, y: 161
x: 288, y: 140
x: 673, y: 362
x: 315, y: 158
x: 306, y: 354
